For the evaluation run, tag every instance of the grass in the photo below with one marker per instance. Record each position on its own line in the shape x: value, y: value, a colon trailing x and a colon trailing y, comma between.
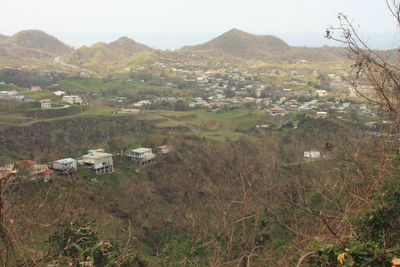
x: 113, y: 87
x: 37, y: 94
x: 214, y: 125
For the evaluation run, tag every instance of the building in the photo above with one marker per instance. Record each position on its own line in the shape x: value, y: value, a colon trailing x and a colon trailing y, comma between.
x: 67, y: 165
x: 277, y: 111
x: 45, y: 104
x: 59, y: 93
x: 312, y: 155
x: 128, y: 111
x: 141, y: 156
x: 99, y: 161
x: 32, y: 170
x: 72, y: 99
x: 164, y: 149
x: 321, y: 92
x: 322, y: 114
x: 36, y: 88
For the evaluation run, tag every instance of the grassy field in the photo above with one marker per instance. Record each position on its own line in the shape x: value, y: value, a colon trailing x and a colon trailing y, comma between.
x: 113, y: 87
x: 203, y: 123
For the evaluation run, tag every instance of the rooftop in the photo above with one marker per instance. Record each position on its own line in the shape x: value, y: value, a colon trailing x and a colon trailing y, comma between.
x: 141, y: 150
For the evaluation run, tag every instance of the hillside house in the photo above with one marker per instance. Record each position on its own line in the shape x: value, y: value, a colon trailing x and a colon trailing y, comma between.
x: 72, y: 99
x: 129, y: 111
x: 59, y: 93
x: 277, y: 111
x: 164, y: 149
x: 321, y: 93
x: 67, y: 165
x: 312, y: 155
x: 45, y: 104
x: 141, y: 156
x: 99, y: 161
x: 322, y: 114
x: 36, y: 88
x: 32, y: 170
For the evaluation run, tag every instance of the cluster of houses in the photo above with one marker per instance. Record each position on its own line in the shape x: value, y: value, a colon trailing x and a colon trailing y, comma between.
x: 14, y: 95
x: 44, y: 103
x: 97, y: 159
x: 224, y: 86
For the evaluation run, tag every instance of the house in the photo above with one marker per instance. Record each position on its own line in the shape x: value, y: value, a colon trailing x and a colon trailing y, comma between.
x: 164, y: 149
x: 72, y: 99
x: 322, y: 114
x: 59, y: 93
x: 36, y: 88
x: 67, y: 165
x: 277, y: 111
x: 321, y: 93
x: 45, y: 104
x: 141, y: 156
x: 312, y: 155
x: 32, y: 170
x: 129, y: 111
x: 99, y: 161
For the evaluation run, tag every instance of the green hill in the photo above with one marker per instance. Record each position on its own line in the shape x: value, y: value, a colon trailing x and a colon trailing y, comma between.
x: 102, y: 56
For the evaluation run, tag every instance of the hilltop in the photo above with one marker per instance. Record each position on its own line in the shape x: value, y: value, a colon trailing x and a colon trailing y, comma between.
x: 29, y: 47
x: 39, y: 40
x: 249, y: 46
x: 100, y: 55
x: 241, y: 44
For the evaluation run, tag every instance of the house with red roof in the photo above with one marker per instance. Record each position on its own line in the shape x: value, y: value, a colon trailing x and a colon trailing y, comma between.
x: 165, y: 149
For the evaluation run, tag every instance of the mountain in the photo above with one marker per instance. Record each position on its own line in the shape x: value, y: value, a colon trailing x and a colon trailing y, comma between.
x: 245, y: 45
x: 3, y: 37
x: 27, y: 48
x: 39, y: 40
x: 128, y: 46
x: 249, y: 46
x: 102, y: 55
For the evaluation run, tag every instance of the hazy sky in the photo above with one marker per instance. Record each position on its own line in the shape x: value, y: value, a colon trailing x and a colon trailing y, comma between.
x: 174, y: 23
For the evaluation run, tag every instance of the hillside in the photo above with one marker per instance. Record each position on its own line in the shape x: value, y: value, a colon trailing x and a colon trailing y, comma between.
x: 3, y: 37
x: 30, y: 48
x: 248, y: 46
x: 102, y: 55
x: 241, y: 44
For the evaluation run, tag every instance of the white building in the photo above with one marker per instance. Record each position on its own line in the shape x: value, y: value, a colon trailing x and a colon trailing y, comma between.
x: 312, y: 155
x: 321, y: 92
x: 45, y: 104
x: 99, y: 161
x: 141, y: 156
x: 322, y: 114
x: 59, y: 93
x: 72, y: 99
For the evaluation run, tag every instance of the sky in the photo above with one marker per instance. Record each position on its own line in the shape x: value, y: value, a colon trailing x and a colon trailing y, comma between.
x: 171, y: 24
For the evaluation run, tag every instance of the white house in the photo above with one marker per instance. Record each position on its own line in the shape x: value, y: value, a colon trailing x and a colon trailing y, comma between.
x: 141, y: 156
x: 59, y: 93
x: 72, y: 99
x: 99, y: 161
x: 165, y: 148
x: 322, y: 114
x: 321, y: 92
x: 312, y: 155
x: 45, y: 104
